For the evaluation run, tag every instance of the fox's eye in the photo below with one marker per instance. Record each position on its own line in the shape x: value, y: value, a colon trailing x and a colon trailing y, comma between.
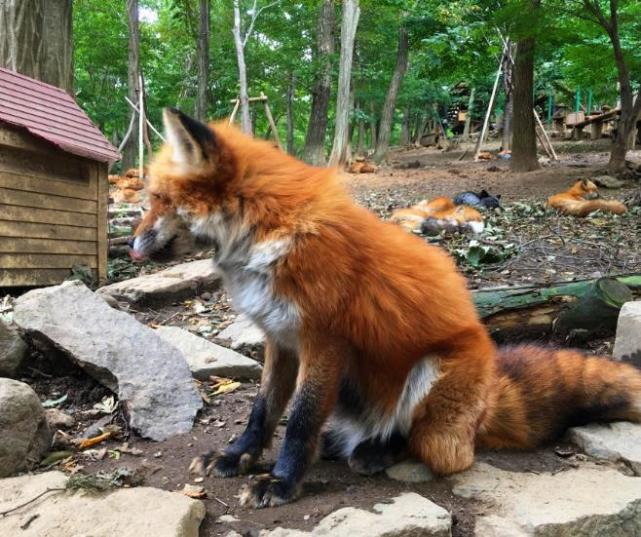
x: 156, y: 196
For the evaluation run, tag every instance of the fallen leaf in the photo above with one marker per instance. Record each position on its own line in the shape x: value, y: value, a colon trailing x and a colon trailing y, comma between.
x: 194, y: 491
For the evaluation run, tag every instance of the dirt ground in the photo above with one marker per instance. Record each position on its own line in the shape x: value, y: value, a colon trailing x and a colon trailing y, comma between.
x: 545, y: 247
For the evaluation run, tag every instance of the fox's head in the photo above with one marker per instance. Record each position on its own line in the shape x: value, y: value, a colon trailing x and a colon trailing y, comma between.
x: 188, y: 180
x: 586, y: 189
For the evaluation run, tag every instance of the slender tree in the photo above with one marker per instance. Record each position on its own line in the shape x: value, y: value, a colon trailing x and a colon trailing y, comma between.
x: 351, y: 14
x: 630, y: 106
x: 524, y: 156
x: 290, y: 114
x: 133, y: 78
x: 202, y: 97
x: 240, y: 42
x: 389, y: 105
x: 314, y: 151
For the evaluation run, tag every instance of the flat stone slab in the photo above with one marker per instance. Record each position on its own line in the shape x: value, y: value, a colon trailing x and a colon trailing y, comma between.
x: 590, y: 501
x: 620, y: 441
x: 409, y: 472
x: 408, y: 515
x: 133, y: 512
x: 242, y: 333
x: 151, y: 377
x: 170, y: 285
x: 627, y: 345
x: 206, y: 358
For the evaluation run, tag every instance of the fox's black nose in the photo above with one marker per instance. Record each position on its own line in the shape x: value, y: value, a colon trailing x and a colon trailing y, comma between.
x: 130, y: 242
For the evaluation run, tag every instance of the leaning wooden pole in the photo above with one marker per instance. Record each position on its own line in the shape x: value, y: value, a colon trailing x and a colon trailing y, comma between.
x: 141, y: 128
x: 488, y: 113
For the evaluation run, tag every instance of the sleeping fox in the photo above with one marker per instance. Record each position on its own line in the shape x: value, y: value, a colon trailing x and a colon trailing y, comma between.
x: 439, y: 213
x: 581, y: 200
x: 369, y: 330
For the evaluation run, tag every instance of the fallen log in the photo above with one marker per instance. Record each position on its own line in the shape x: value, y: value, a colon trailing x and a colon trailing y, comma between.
x: 588, y: 308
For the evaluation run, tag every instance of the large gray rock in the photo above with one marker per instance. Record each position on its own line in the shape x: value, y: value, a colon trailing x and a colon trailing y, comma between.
x: 151, y: 377
x: 170, y: 285
x: 24, y: 433
x: 627, y: 345
x: 409, y: 515
x: 619, y: 441
x: 591, y: 501
x: 243, y: 335
x: 134, y: 512
x: 12, y: 351
x: 206, y: 358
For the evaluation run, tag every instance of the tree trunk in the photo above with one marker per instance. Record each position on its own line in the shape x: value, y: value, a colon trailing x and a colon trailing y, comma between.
x: 630, y: 107
x: 351, y: 13
x: 245, y: 119
x: 468, y: 115
x: 373, y: 130
x: 508, y: 87
x: 202, y: 97
x: 133, y: 72
x: 405, y: 127
x: 290, y: 114
x: 387, y: 115
x: 314, y: 151
x: 36, y: 39
x: 524, y: 158
x: 360, y: 145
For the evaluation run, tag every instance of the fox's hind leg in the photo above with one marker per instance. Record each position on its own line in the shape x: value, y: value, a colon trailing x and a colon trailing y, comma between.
x: 277, y: 384
x: 375, y: 455
x: 445, y: 422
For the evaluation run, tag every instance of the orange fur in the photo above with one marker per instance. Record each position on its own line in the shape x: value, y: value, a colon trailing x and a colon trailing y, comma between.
x: 373, y: 303
x: 575, y: 201
x: 438, y: 209
x: 361, y: 167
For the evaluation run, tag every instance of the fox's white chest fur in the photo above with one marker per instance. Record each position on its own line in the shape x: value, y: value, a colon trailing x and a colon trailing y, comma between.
x: 247, y: 268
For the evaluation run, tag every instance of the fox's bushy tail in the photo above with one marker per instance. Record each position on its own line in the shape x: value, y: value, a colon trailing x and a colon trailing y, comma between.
x: 584, y: 208
x: 541, y: 392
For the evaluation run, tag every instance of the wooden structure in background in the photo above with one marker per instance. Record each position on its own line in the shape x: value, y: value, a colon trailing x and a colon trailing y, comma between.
x: 53, y: 185
x: 262, y: 99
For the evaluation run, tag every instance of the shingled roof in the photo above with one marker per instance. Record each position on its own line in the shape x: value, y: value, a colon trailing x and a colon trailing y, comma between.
x: 52, y: 114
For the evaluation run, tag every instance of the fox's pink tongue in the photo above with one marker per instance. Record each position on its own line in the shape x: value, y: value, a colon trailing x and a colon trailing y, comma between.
x: 135, y: 255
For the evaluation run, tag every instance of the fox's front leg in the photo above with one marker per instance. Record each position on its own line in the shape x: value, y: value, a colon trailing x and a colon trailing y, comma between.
x: 316, y: 395
x: 277, y: 384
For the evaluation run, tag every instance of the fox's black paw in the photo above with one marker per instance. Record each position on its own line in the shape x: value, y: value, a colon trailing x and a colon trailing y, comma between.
x: 202, y: 464
x: 230, y: 465
x: 267, y: 491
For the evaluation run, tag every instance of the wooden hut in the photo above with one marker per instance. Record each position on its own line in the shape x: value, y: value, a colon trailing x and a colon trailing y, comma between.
x: 53, y: 185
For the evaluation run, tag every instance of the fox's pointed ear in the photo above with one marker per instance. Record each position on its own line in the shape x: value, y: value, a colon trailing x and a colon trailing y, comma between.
x: 584, y: 182
x: 192, y: 141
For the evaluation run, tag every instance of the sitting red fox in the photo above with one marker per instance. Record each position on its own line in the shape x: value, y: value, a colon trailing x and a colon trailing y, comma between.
x: 581, y: 200
x: 371, y: 331
x: 442, y: 212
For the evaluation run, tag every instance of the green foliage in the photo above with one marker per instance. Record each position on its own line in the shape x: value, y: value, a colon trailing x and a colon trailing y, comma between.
x: 454, y: 46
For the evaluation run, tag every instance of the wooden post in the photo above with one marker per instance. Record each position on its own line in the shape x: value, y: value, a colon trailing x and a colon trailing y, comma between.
x: 270, y: 119
x: 550, y: 107
x: 486, y: 122
x: 549, y: 148
x: 234, y: 111
x: 596, y: 130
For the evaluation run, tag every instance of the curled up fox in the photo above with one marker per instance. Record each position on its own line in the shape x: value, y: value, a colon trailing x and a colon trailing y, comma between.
x: 369, y: 331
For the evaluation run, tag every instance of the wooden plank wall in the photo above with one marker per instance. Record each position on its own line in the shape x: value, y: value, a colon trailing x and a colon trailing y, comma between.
x: 48, y: 212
